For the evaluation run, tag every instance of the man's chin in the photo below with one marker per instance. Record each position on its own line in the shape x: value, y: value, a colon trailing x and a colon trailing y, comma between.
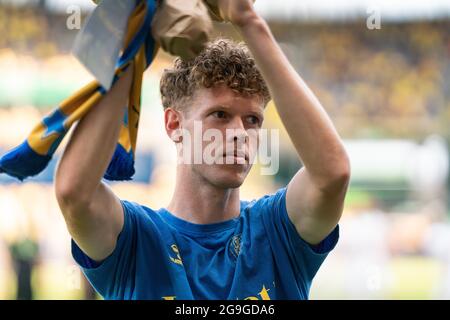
x: 231, y: 184
x: 227, y: 179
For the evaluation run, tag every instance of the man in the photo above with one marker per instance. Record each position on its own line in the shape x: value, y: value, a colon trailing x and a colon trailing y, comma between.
x: 207, y: 244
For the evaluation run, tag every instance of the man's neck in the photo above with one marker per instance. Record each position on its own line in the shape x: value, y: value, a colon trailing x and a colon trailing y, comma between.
x: 198, y: 201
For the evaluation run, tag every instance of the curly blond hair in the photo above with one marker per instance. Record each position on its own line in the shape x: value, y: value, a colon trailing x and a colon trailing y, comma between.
x: 222, y: 62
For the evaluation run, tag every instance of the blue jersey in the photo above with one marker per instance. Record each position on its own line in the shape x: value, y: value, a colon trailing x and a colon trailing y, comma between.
x: 258, y: 255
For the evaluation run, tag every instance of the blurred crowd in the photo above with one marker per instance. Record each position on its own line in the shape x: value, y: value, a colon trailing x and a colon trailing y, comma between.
x: 392, y: 82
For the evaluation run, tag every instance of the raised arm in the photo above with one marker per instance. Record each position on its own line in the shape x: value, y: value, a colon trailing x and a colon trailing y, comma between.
x: 93, y: 214
x: 315, y: 196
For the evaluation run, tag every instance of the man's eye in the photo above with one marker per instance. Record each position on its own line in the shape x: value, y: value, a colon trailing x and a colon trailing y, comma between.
x: 220, y: 114
x: 253, y: 120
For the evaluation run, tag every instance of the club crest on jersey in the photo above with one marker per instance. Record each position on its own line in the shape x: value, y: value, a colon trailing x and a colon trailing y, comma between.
x: 235, y: 245
x: 176, y: 260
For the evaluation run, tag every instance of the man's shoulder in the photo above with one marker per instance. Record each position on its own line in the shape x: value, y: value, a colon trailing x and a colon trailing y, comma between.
x: 265, y: 199
x: 139, y: 211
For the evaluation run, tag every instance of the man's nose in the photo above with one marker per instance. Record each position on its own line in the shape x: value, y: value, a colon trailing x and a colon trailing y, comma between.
x: 236, y: 131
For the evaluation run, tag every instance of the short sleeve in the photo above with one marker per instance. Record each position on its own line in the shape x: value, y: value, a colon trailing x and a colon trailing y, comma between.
x: 305, y: 258
x: 112, y: 276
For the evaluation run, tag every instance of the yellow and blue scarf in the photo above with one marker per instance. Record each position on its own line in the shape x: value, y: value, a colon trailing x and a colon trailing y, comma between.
x: 34, y: 154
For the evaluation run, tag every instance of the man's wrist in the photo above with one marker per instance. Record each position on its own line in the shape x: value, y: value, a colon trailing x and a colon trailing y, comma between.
x: 247, y: 20
x: 254, y: 29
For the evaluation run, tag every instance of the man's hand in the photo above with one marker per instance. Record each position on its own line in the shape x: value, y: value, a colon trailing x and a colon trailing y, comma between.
x: 238, y: 12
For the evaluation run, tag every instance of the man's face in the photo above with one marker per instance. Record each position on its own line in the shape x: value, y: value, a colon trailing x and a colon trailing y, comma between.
x: 223, y: 128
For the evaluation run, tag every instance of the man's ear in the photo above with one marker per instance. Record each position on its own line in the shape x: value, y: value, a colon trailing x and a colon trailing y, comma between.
x: 172, y: 122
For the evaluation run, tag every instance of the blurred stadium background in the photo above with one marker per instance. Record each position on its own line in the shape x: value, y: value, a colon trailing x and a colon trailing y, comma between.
x: 387, y: 91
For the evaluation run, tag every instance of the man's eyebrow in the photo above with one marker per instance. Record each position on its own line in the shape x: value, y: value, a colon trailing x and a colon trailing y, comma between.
x: 259, y: 114
x: 254, y: 111
x: 219, y: 106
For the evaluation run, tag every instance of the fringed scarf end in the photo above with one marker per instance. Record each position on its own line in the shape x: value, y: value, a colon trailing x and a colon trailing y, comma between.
x: 121, y: 167
x: 23, y: 162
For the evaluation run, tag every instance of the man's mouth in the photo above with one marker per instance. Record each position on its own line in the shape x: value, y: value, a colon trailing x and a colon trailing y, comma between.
x: 238, y: 156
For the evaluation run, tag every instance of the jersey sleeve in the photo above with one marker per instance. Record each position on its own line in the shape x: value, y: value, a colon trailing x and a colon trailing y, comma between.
x: 112, y: 277
x: 305, y: 258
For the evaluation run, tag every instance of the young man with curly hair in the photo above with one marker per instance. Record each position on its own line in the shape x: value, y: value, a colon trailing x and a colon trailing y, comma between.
x: 207, y: 243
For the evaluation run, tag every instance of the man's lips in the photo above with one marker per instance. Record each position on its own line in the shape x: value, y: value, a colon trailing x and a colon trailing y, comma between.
x: 237, y: 154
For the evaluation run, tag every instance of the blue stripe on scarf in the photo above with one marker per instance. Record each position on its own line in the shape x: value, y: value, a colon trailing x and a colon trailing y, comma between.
x: 55, y: 124
x: 140, y: 37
